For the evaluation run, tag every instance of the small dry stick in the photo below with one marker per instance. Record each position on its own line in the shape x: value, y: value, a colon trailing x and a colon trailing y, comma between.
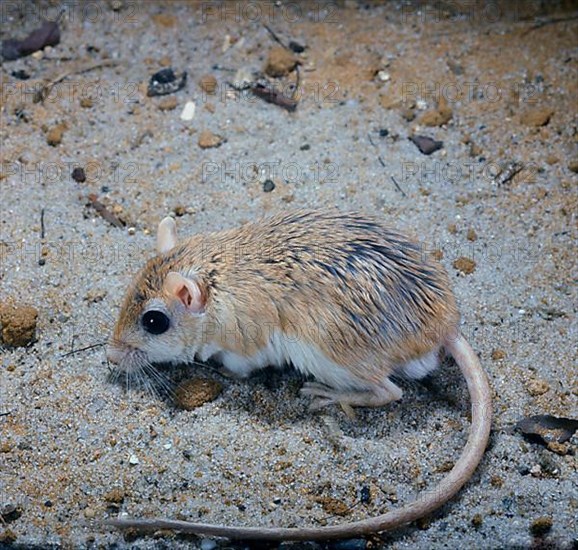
x: 104, y: 212
x: 42, y: 94
x: 276, y: 38
x: 382, y: 162
x: 42, y: 228
x: 271, y: 95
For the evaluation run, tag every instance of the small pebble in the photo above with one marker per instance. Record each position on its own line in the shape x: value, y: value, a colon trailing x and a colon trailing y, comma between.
x: 541, y: 526
x: 296, y: 47
x: 465, y: 265
x: 188, y: 111
x: 426, y: 145
x: 537, y: 117
x: 384, y: 76
x: 196, y: 392
x: 537, y: 387
x: 268, y: 186
x: 89, y: 513
x: 133, y: 460
x: 79, y: 175
x: 86, y: 102
x: 54, y: 135
x: 168, y: 103
x: 17, y: 324
x: 209, y: 84
x: 208, y: 139
x: 280, y: 62
x: 10, y: 512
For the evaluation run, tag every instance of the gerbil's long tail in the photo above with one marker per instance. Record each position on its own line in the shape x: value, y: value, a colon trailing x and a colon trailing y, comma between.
x: 429, y: 501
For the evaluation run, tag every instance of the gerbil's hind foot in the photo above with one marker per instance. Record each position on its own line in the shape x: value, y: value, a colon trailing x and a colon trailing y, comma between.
x: 324, y: 396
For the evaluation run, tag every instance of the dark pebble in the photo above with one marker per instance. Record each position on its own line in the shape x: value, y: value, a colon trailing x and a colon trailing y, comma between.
x: 523, y: 470
x: 10, y: 512
x: 187, y: 454
x: 105, y: 189
x: 365, y: 495
x: 166, y: 82
x: 48, y: 504
x: 426, y: 145
x: 42, y: 261
x: 79, y: 175
x: 268, y: 186
x: 305, y: 147
x: 21, y: 74
x: 384, y: 132
x: 296, y: 47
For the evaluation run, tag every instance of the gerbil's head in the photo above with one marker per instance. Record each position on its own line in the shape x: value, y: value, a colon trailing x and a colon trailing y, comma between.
x: 161, y: 315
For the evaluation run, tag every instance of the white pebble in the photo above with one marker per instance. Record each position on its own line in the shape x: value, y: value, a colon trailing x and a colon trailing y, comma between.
x: 167, y: 446
x: 384, y: 76
x: 188, y: 111
x: 133, y: 460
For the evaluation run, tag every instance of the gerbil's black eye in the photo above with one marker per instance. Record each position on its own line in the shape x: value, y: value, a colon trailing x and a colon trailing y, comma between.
x: 155, y: 322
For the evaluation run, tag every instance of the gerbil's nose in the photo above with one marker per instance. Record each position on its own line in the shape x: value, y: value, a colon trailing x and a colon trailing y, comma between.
x: 114, y: 354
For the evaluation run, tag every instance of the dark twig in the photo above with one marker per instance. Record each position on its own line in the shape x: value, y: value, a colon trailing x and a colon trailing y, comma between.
x: 43, y: 92
x: 382, y: 162
x: 276, y: 38
x: 104, y: 212
x: 271, y: 95
x: 7, y: 413
x: 398, y: 187
x: 546, y: 22
x: 42, y: 228
x: 74, y: 351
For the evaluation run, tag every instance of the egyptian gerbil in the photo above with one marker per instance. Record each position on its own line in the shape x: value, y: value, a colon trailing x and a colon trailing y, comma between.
x: 340, y: 296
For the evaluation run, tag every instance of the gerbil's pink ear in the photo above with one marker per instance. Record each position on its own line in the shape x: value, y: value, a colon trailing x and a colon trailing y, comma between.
x: 187, y: 291
x: 166, y: 235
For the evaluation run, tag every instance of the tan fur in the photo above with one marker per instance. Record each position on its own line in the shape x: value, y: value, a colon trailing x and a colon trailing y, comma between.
x: 367, y: 296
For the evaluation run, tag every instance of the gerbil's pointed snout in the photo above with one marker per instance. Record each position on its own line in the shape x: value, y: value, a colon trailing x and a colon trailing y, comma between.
x: 113, y: 353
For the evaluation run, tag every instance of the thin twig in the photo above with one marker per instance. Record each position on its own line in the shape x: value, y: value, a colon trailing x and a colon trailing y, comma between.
x: 104, y: 212
x: 92, y: 346
x: 382, y: 162
x: 42, y: 94
x: 276, y: 38
x: 398, y: 187
x: 546, y: 22
x: 42, y: 228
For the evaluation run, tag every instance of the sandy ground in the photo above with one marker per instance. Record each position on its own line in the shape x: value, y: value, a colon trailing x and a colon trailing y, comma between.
x: 499, y: 85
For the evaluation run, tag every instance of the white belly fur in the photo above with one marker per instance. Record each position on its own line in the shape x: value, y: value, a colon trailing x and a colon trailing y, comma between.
x: 283, y: 350
x: 308, y: 359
